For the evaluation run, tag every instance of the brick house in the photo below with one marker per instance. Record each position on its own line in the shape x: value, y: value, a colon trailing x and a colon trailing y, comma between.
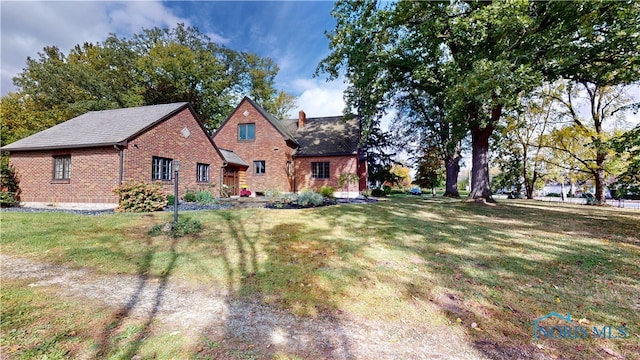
x: 83, y: 159
x: 289, y: 155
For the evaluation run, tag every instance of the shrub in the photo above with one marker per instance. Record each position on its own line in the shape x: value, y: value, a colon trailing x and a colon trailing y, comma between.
x: 272, y: 194
x: 377, y: 192
x: 366, y: 193
x: 327, y: 191
x: 184, y: 226
x: 10, y: 186
x: 288, y: 197
x: 387, y: 190
x: 189, y: 196
x: 138, y: 196
x: 205, y: 197
x: 310, y: 198
x: 170, y: 199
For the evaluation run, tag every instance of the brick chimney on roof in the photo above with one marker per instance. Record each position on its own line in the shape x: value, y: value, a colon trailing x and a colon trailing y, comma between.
x: 302, y: 118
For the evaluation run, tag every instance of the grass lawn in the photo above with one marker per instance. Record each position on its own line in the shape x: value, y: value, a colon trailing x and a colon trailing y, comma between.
x: 487, y: 271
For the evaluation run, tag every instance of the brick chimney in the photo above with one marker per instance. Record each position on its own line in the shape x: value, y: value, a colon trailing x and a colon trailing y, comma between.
x: 302, y: 118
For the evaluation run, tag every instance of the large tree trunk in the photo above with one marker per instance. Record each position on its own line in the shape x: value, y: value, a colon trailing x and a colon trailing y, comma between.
x: 452, y: 166
x: 599, y: 175
x: 529, y: 184
x: 480, y: 181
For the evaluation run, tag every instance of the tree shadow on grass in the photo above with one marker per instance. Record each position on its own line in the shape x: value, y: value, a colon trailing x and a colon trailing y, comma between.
x: 276, y: 304
x: 125, y: 343
x: 502, y: 267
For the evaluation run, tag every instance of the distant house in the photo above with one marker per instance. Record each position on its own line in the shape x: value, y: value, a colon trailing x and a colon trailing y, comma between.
x: 83, y: 159
x: 289, y: 155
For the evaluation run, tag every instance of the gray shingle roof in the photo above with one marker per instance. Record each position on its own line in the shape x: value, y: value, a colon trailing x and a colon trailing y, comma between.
x: 325, y: 136
x: 232, y: 158
x: 97, y: 128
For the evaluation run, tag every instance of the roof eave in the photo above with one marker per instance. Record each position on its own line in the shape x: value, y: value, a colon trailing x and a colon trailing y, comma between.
x: 64, y: 147
x: 328, y: 154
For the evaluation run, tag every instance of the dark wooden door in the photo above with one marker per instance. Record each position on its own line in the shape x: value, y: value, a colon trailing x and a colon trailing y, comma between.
x: 231, y: 180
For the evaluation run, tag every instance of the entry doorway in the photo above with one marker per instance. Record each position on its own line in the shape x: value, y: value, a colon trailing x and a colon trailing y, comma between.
x: 231, y: 180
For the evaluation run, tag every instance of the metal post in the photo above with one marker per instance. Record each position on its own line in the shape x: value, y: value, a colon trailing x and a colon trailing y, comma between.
x: 175, y: 197
x: 176, y: 168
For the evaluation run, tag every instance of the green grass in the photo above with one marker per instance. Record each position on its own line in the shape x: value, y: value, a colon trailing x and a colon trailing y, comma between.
x: 36, y: 324
x: 417, y: 261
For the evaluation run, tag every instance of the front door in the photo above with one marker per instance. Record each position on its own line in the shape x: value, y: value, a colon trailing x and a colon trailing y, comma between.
x: 231, y: 180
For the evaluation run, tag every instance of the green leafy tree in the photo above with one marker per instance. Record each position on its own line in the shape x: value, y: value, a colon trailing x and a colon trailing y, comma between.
x: 429, y: 170
x: 422, y: 121
x: 628, y: 182
x: 10, y: 185
x: 403, y: 174
x: 380, y: 157
x: 606, y: 104
x: 572, y: 151
x: 520, y: 140
x: 157, y: 65
x: 490, y: 53
x: 22, y: 116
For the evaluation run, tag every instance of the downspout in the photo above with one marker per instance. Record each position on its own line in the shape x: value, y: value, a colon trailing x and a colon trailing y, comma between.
x: 121, y: 165
x: 293, y: 157
x: 224, y: 165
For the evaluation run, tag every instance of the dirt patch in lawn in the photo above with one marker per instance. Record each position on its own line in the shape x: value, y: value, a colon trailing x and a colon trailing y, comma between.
x: 215, y: 324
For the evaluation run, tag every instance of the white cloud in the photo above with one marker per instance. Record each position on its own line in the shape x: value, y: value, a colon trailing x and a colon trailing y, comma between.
x: 319, y: 98
x: 27, y: 27
x: 131, y: 17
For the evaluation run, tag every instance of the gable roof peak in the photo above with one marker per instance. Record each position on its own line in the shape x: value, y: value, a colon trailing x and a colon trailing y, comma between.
x: 276, y: 123
x: 98, y: 128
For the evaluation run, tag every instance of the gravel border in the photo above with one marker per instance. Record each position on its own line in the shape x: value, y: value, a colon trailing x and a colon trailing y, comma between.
x: 184, y: 206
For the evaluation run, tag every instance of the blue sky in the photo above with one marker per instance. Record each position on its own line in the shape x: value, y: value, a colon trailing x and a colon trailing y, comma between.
x: 290, y: 32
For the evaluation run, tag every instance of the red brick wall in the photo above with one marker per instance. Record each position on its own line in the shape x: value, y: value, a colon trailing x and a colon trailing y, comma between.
x: 165, y: 140
x: 337, y: 165
x: 269, y: 145
x: 95, y: 171
x: 94, y: 175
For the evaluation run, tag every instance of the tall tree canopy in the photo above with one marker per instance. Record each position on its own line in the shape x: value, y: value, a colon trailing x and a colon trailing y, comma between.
x: 605, y: 105
x: 154, y: 66
x: 490, y: 53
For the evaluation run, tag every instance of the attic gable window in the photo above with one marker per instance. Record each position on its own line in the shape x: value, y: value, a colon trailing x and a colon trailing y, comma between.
x: 62, y: 167
x: 161, y: 168
x: 320, y: 170
x: 246, y: 131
